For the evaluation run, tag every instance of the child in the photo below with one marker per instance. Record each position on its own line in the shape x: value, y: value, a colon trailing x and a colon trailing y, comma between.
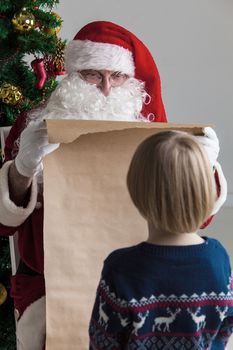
x: 174, y: 291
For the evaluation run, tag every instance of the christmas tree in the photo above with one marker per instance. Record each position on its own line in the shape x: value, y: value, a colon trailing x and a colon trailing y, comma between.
x: 31, y: 58
x: 7, y: 321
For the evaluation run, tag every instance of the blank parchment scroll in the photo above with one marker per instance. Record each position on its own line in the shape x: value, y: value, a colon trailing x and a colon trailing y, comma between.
x: 88, y: 213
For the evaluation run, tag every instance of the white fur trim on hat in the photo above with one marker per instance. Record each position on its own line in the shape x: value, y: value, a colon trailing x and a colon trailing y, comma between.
x: 86, y: 54
x: 30, y: 329
x: 223, y: 189
x: 10, y: 214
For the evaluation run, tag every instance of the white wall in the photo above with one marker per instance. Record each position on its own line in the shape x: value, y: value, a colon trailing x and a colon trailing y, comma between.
x: 192, y: 43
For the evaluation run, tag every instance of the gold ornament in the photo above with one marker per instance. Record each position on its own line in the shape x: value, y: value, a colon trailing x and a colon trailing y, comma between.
x: 58, y: 60
x: 23, y: 21
x: 10, y: 94
x: 54, y: 64
x: 55, y: 30
x: 3, y: 294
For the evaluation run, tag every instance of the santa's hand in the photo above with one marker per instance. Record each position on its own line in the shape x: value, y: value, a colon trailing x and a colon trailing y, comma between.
x: 33, y: 147
x: 210, y: 143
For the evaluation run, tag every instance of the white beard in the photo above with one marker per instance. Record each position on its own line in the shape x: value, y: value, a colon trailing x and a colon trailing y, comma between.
x: 76, y: 99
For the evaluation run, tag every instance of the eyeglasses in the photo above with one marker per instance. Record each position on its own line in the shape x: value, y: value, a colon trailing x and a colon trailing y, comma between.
x: 96, y: 77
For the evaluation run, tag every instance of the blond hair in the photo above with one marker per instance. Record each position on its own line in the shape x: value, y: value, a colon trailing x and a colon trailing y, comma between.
x: 171, y: 182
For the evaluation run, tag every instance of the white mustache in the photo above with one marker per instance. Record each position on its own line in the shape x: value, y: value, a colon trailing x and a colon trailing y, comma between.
x: 76, y: 99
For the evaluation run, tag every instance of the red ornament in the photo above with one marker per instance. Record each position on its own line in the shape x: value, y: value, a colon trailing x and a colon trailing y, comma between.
x: 37, y: 24
x: 40, y: 73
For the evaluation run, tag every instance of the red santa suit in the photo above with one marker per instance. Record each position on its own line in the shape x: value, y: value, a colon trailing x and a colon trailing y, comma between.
x: 100, y: 46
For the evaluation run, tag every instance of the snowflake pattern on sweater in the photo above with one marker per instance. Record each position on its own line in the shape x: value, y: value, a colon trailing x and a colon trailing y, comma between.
x: 157, y: 297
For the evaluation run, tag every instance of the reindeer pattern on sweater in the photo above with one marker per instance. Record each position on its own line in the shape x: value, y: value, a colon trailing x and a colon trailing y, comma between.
x: 155, y: 297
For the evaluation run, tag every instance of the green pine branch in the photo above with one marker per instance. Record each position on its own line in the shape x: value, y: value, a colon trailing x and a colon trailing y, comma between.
x: 46, y: 19
x: 4, y: 28
x: 14, y: 6
x: 36, y: 43
x: 7, y: 321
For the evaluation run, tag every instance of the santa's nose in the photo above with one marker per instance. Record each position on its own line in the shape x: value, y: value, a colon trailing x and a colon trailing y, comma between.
x: 105, y: 86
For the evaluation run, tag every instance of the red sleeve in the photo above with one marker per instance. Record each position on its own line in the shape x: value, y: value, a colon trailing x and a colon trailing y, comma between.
x: 10, y: 151
x: 7, y: 230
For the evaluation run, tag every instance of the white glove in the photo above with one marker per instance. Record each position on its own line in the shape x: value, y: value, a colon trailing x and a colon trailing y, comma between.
x: 210, y: 143
x: 33, y: 147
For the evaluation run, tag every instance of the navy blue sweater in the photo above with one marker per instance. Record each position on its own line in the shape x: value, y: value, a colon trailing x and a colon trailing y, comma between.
x: 164, y: 297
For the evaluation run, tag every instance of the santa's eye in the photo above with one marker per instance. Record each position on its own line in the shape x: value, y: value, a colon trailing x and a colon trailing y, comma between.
x: 118, y: 75
x: 92, y: 77
x: 94, y: 74
x: 118, y: 78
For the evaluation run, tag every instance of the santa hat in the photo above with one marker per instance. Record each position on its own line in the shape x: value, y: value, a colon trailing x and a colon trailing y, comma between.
x: 104, y: 45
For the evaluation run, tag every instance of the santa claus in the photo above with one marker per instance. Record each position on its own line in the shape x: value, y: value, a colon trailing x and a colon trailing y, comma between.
x: 111, y: 75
